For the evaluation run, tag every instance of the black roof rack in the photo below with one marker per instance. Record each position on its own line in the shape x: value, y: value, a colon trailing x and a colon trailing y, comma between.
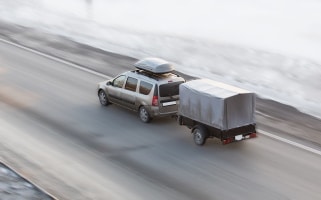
x: 154, y: 75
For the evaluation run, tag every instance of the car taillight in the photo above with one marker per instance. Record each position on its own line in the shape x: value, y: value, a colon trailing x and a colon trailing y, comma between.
x: 155, y: 101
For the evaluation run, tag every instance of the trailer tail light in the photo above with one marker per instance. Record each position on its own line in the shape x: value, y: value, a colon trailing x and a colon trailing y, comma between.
x: 253, y: 135
x: 228, y: 140
x: 155, y: 101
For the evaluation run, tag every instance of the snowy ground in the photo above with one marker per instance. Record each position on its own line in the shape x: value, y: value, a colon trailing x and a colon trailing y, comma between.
x: 271, y: 47
x: 13, y: 187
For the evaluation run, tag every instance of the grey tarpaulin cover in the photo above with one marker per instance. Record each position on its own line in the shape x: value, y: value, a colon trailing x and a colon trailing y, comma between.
x: 216, y: 104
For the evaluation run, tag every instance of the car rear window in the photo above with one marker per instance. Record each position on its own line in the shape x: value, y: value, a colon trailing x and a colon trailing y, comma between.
x: 145, y: 88
x: 169, y: 89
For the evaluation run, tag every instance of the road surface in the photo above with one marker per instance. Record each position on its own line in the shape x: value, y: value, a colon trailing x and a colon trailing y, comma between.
x: 54, y: 131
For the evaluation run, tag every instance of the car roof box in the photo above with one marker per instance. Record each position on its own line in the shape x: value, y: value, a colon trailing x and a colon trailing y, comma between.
x: 154, y: 65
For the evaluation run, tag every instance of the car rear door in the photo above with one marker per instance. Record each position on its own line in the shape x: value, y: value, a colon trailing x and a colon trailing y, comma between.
x: 169, y: 97
x: 129, y: 93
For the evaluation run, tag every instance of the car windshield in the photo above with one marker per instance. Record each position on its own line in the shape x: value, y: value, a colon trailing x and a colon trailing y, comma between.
x: 169, y: 89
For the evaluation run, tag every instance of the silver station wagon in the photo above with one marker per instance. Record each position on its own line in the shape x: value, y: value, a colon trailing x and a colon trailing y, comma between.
x: 152, y: 89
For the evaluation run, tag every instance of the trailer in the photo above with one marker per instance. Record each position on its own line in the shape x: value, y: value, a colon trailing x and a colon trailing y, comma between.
x: 216, y: 110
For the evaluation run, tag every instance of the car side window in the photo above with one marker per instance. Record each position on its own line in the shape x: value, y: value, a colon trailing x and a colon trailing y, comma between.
x: 119, y: 81
x: 145, y: 88
x: 131, y: 84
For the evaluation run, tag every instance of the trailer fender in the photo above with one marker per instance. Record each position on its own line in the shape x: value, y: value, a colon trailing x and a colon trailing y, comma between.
x: 200, y: 134
x: 180, y: 120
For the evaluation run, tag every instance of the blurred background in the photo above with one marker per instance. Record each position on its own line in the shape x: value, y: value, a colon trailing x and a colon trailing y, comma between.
x: 54, y: 131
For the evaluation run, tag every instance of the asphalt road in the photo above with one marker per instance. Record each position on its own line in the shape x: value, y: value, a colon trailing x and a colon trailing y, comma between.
x: 54, y: 131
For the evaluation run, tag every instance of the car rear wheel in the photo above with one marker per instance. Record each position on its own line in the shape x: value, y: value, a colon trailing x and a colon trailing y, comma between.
x: 144, y: 115
x: 103, y: 98
x: 199, y: 135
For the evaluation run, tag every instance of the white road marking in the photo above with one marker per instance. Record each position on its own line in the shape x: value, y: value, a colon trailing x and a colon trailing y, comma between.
x: 301, y: 146
x: 56, y: 59
x: 265, y: 115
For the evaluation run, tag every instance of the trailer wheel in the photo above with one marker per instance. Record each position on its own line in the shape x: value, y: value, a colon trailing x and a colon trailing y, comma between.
x: 199, y: 135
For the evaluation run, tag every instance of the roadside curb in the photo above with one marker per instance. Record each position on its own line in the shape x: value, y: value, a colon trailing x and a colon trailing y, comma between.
x: 38, y: 187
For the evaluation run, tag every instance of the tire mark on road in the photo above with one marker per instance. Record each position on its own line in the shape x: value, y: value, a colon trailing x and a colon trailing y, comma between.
x: 160, y: 178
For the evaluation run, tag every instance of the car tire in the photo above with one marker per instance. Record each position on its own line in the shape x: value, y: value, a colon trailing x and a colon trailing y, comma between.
x: 199, y: 135
x: 144, y: 115
x: 103, y: 99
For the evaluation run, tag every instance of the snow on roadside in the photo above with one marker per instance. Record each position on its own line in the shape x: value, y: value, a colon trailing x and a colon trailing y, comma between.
x: 220, y: 41
x: 12, y: 186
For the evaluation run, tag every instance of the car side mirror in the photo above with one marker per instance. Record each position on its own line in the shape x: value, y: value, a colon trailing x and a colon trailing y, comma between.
x: 109, y: 83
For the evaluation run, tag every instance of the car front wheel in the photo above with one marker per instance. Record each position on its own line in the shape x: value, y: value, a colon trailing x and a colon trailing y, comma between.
x: 103, y: 98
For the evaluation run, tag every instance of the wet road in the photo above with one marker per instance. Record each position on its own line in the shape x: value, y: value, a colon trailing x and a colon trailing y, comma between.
x: 53, y: 129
